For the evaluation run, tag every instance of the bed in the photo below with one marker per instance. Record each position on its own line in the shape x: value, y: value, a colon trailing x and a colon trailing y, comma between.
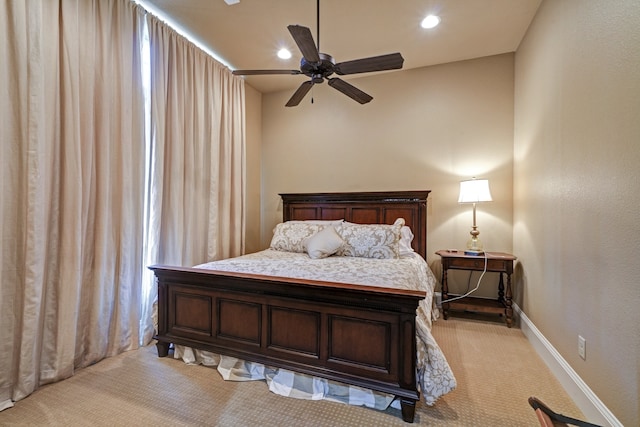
x: 359, y: 335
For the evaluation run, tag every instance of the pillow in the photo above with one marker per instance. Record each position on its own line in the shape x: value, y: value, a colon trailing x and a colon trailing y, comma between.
x: 371, y: 240
x: 406, y: 237
x: 324, y: 243
x: 290, y: 236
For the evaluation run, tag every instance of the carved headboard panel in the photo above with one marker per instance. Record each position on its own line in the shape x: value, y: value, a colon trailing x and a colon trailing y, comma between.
x: 380, y: 207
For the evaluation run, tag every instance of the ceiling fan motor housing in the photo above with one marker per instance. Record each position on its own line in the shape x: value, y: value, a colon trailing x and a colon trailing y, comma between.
x: 318, y: 71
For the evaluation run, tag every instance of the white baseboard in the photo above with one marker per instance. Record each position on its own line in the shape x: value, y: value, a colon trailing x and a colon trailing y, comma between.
x: 591, y: 406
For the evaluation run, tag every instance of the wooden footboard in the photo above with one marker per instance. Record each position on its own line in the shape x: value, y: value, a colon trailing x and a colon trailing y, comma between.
x: 364, y: 336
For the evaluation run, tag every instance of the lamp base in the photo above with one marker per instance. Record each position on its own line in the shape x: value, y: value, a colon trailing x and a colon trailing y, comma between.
x: 474, y: 245
x: 474, y: 253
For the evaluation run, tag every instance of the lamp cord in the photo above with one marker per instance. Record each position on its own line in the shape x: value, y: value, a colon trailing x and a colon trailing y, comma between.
x: 477, y: 285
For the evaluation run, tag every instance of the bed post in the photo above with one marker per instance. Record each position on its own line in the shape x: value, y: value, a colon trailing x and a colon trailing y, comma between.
x: 408, y: 407
x: 162, y: 346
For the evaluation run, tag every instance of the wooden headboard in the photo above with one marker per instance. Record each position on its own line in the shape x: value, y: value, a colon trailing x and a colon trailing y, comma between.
x: 380, y: 207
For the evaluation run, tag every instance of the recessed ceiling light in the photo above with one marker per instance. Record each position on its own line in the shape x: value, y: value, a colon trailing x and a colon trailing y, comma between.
x: 430, y: 21
x: 284, y: 54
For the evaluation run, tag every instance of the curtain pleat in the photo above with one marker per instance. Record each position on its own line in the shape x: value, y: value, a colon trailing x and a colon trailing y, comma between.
x: 72, y: 177
x: 198, y: 137
x: 74, y: 285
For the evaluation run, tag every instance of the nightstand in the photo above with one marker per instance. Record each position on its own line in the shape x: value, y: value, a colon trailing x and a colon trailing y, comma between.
x: 498, y: 262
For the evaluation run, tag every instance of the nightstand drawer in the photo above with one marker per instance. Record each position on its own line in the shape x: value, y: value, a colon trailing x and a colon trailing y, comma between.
x: 473, y: 264
x: 477, y: 264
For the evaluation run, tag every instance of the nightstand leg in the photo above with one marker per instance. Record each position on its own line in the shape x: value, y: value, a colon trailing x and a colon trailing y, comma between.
x: 501, y: 289
x: 445, y: 295
x: 508, y: 301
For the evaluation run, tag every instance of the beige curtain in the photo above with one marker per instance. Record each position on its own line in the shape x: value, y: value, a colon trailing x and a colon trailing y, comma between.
x: 72, y: 181
x: 197, y: 180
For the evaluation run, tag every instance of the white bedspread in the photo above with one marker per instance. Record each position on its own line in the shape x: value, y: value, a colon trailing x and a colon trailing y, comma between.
x: 434, y: 375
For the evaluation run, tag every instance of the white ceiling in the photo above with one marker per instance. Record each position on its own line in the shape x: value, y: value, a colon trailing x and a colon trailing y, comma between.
x: 247, y: 35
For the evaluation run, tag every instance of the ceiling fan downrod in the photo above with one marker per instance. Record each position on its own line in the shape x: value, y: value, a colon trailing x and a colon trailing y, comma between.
x: 318, y: 23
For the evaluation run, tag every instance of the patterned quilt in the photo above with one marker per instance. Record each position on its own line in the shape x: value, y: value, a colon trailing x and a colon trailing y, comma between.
x: 434, y: 375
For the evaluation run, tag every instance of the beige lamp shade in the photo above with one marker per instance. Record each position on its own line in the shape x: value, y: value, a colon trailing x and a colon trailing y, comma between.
x: 474, y: 191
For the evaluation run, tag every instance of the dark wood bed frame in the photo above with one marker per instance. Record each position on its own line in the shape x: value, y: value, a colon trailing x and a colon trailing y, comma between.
x: 359, y: 335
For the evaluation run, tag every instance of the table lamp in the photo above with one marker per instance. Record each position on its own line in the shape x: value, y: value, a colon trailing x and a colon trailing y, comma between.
x: 474, y: 191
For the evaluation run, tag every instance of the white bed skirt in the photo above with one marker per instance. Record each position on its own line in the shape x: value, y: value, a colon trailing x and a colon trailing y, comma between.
x: 284, y: 382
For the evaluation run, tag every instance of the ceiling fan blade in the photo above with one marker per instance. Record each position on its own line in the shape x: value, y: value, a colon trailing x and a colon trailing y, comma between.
x: 350, y: 90
x: 392, y: 61
x: 304, y: 40
x: 259, y: 72
x: 299, y: 94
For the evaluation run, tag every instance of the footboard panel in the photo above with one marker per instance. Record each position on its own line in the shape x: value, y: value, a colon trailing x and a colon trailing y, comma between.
x: 364, y: 336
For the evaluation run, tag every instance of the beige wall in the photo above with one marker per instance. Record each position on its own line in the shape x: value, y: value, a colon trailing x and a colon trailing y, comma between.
x: 577, y: 159
x: 426, y: 129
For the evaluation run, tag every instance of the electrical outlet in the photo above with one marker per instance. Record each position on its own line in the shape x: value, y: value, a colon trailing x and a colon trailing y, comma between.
x: 582, y: 347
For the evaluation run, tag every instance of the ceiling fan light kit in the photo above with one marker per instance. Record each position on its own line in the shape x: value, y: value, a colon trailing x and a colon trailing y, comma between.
x: 320, y: 66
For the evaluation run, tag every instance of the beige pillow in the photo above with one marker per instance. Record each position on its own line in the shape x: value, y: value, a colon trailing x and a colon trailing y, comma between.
x: 371, y: 240
x: 290, y: 236
x: 324, y: 243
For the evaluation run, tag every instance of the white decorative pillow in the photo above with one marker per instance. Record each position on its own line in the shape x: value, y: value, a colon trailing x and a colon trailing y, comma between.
x: 324, y: 243
x: 371, y: 240
x: 406, y: 237
x: 290, y: 236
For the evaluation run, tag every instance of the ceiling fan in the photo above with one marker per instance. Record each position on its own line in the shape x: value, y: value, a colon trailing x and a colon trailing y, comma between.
x: 319, y: 66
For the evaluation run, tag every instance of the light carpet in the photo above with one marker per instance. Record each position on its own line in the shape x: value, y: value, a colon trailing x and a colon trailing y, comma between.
x: 495, y: 366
